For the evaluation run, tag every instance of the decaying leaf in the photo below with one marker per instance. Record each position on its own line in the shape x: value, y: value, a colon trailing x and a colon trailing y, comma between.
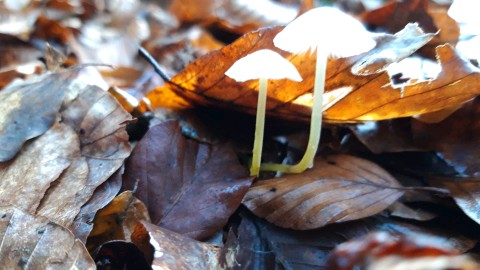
x: 68, y: 190
x: 175, y: 251
x: 29, y: 109
x: 117, y: 220
x: 105, y: 193
x: 188, y: 187
x: 100, y: 122
x: 465, y: 192
x: 38, y: 164
x: 394, y: 15
x: 257, y: 243
x: 33, y: 242
x: 382, y: 250
x: 349, y: 97
x: 455, y: 137
x: 236, y: 16
x: 338, y: 189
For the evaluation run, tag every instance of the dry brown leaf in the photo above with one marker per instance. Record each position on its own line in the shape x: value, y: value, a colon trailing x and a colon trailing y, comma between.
x: 382, y: 250
x: 175, y: 251
x: 456, y: 137
x: 100, y: 122
x: 233, y: 15
x: 29, y: 109
x: 25, y: 179
x: 117, y: 220
x: 465, y: 192
x: 104, y: 194
x: 102, y: 145
x: 339, y: 188
x: 33, y: 242
x: 394, y: 15
x: 189, y: 187
x: 66, y: 189
x: 14, y: 51
x: 349, y: 96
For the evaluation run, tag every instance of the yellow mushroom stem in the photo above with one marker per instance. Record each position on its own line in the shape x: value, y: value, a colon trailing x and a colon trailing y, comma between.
x: 259, y: 127
x: 315, y: 122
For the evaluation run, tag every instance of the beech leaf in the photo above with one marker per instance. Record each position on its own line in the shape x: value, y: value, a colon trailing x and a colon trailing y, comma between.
x: 28, y: 110
x: 188, y: 187
x: 465, y: 192
x: 357, y: 88
x: 175, y: 251
x: 39, y: 163
x: 33, y: 242
x: 339, y: 188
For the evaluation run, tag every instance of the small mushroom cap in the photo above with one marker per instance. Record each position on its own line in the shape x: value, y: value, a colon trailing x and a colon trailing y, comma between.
x: 328, y: 29
x: 263, y: 64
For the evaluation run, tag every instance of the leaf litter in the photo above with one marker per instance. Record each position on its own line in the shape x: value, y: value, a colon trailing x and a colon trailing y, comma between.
x: 65, y: 152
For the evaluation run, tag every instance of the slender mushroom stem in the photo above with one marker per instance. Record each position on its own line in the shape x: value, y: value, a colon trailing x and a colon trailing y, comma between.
x: 315, y: 122
x: 259, y: 127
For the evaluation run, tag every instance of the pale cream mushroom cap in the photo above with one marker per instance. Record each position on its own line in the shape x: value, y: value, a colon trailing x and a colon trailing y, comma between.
x: 263, y: 64
x: 328, y: 29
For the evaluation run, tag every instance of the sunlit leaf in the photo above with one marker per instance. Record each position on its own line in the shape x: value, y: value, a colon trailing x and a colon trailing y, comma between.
x: 349, y: 96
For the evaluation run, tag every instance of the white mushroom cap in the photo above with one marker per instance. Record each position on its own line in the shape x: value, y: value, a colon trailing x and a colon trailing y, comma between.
x: 263, y: 64
x: 327, y: 29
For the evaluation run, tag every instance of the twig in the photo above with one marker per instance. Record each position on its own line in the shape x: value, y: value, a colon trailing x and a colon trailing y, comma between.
x: 154, y: 64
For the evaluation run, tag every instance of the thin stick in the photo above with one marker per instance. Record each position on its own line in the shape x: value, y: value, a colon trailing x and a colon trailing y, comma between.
x: 154, y: 64
x: 315, y: 122
x: 259, y: 127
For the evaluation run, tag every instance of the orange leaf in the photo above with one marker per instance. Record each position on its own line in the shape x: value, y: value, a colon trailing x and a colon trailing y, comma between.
x: 358, y: 88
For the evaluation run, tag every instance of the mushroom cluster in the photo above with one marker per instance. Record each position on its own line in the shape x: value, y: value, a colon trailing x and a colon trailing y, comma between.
x: 328, y: 32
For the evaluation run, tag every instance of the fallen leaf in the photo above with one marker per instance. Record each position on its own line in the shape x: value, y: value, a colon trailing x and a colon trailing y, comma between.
x: 401, y: 210
x: 235, y: 16
x: 454, y: 137
x: 257, y: 243
x: 465, y: 192
x: 38, y: 164
x: 176, y: 251
x: 67, y: 188
x: 338, y: 189
x: 117, y: 220
x: 188, y: 187
x: 382, y: 250
x: 100, y: 122
x: 33, y: 242
x: 30, y: 109
x: 381, y: 101
x: 349, y: 96
x: 393, y: 16
x: 15, y: 52
x: 83, y: 223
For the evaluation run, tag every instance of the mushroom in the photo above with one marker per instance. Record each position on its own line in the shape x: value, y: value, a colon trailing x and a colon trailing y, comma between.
x: 263, y: 65
x: 331, y: 33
